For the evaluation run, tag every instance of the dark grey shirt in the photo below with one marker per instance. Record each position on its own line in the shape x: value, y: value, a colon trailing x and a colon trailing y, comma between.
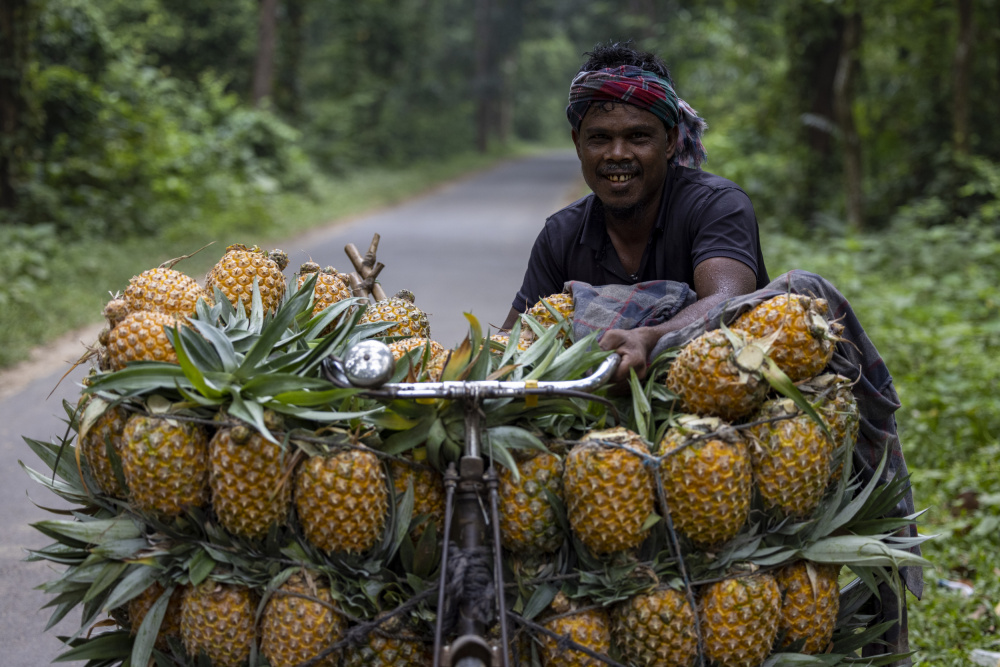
x: 701, y: 215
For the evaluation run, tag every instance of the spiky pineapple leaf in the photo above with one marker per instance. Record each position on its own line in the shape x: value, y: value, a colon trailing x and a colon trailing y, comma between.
x: 200, y: 566
x: 106, y: 646
x: 138, y: 579
x: 97, y: 531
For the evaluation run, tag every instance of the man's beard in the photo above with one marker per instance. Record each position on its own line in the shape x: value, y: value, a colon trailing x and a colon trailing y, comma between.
x: 631, y: 214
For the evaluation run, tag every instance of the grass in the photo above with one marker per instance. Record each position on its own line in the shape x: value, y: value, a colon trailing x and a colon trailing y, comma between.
x: 83, y: 274
x: 931, y: 309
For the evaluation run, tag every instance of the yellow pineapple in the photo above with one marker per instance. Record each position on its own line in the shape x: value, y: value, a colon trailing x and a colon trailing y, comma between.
x: 300, y: 622
x: 342, y: 500
x: 588, y: 627
x: 428, y: 492
x: 164, y: 290
x: 106, y: 429
x: 250, y: 492
x: 714, y: 376
x: 805, y: 340
x: 835, y: 402
x: 391, y: 644
x: 139, y: 606
x: 739, y: 619
x: 218, y: 619
x: 141, y: 336
x: 707, y: 479
x: 330, y: 286
x: 562, y: 303
x: 656, y: 628
x: 502, y: 339
x: 811, y: 602
x: 234, y: 274
x: 527, y: 520
x: 609, y: 490
x: 791, y: 457
x: 429, y: 361
x: 408, y: 320
x: 165, y: 464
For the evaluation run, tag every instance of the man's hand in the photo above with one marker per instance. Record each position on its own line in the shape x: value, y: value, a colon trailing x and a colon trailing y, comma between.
x: 634, y: 346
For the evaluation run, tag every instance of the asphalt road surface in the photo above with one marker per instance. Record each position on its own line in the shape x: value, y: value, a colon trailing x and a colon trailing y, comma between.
x: 461, y: 248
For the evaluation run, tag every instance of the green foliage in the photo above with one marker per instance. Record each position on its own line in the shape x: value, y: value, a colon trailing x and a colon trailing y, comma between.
x: 24, y: 254
x: 125, y: 149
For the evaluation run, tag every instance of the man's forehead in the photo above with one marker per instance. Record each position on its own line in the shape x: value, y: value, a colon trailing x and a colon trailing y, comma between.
x: 606, y: 111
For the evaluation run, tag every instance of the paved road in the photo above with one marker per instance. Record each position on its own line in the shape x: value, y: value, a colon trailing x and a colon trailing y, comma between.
x: 460, y: 248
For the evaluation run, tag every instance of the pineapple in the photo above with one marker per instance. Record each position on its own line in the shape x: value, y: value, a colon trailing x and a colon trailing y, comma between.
x: 247, y: 477
x: 166, y: 291
x: 609, y: 490
x: 218, y: 619
x: 739, y: 619
x: 141, y: 336
x: 139, y: 606
x: 428, y: 492
x: 804, y: 342
x: 342, y: 500
x: 240, y: 266
x: 791, y: 458
x: 527, y: 520
x: 300, y: 622
x: 106, y: 429
x: 839, y: 409
x: 562, y: 303
x: 707, y: 479
x: 330, y: 287
x: 811, y: 602
x: 429, y: 362
x: 714, y: 376
x: 408, y: 320
x: 165, y: 464
x: 391, y: 644
x: 589, y: 628
x: 523, y: 341
x: 656, y: 628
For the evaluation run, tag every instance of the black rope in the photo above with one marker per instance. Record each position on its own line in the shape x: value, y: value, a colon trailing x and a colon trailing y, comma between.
x: 469, y: 582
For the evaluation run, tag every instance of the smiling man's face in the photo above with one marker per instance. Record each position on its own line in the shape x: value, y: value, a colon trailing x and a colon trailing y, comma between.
x: 624, y: 152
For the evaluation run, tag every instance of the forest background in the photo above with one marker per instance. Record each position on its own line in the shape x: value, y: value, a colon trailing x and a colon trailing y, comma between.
x: 865, y: 133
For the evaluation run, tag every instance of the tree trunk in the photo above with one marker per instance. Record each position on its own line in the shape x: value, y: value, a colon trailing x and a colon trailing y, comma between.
x: 844, y: 101
x: 288, y: 88
x: 483, y: 83
x: 263, y: 70
x: 962, y: 67
x: 14, y: 47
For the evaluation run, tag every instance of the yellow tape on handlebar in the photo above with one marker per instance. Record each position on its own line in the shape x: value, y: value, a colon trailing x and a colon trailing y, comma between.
x: 531, y: 400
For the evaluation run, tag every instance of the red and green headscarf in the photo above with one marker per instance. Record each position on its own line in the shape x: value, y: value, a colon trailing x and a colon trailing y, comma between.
x: 648, y: 91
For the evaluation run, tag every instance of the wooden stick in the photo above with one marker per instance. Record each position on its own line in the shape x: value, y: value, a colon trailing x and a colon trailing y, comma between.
x: 369, y: 284
x: 369, y: 260
x: 363, y: 268
x: 356, y: 288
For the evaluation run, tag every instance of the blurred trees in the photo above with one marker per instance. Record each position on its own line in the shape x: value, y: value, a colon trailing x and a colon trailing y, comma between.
x: 120, y: 116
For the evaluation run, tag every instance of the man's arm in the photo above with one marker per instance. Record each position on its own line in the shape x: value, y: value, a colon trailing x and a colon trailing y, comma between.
x: 511, y: 319
x: 715, y: 280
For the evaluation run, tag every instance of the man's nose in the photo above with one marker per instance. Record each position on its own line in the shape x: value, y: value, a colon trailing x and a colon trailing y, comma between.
x: 618, y: 150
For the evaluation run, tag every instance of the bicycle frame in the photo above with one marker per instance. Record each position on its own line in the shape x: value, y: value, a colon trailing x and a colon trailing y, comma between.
x: 367, y: 365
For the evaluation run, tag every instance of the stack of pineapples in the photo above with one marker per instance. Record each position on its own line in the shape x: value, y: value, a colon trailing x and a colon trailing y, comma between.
x: 236, y: 508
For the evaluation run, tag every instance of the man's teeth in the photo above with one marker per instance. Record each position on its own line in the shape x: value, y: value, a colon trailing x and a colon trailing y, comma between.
x: 619, y: 178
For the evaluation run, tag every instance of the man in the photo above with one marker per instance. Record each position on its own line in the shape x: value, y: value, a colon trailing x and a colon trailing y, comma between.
x: 650, y: 216
x: 655, y: 219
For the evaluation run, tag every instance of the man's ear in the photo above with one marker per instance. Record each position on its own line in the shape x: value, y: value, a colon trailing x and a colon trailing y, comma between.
x: 576, y: 140
x: 672, y: 135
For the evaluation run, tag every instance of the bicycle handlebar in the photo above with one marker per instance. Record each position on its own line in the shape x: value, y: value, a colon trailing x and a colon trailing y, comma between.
x: 337, y: 371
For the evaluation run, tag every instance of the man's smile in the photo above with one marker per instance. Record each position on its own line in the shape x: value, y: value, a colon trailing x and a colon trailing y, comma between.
x: 619, y: 178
